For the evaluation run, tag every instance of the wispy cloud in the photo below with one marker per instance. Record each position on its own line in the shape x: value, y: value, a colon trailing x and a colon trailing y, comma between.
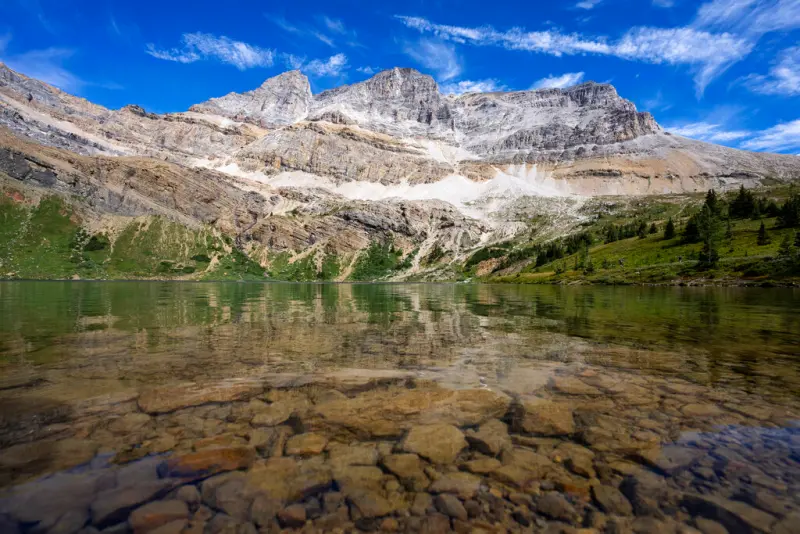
x: 204, y: 46
x: 318, y: 31
x: 706, y: 131
x: 437, y: 56
x: 565, y: 80
x: 334, y: 25
x: 587, y: 4
x: 783, y: 77
x: 749, y: 17
x: 47, y: 65
x: 472, y: 86
x: 723, y: 33
x: 779, y: 138
x: 664, y: 3
x: 368, y: 70
x: 332, y: 67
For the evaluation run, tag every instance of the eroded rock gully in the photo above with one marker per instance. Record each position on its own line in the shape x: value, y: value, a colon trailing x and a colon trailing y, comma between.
x: 592, y: 450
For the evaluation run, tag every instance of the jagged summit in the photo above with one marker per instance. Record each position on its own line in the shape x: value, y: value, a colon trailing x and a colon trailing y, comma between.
x: 396, y: 127
x: 282, y: 99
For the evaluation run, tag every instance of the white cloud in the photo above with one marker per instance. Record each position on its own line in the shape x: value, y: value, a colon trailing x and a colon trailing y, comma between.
x: 587, y: 4
x: 333, y: 66
x: 284, y: 24
x: 707, y: 53
x: 472, y: 86
x: 565, y: 80
x: 711, y: 132
x: 198, y: 46
x: 783, y: 77
x: 368, y: 70
x: 334, y: 25
x: 47, y: 65
x: 752, y: 17
x: 664, y: 3
x: 780, y: 138
x: 437, y: 56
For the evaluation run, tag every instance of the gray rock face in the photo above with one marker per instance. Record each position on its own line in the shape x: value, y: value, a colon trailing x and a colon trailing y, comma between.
x: 283, y: 99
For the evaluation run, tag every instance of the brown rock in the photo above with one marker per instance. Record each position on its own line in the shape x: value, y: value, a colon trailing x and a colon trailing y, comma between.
x: 555, y: 506
x: 273, y: 414
x: 701, y: 410
x: 570, y: 385
x: 129, y: 423
x: 114, y: 506
x: 450, y: 506
x: 482, y: 466
x: 173, y: 527
x: 423, y: 503
x: 390, y: 413
x: 462, y: 484
x: 164, y: 399
x: 409, y: 469
x: 736, y: 516
x: 490, y: 438
x: 306, y: 444
x: 207, y: 462
x: 293, y: 516
x: 439, y: 443
x: 671, y: 459
x: 355, y: 454
x: 157, y: 513
x: 543, y: 417
x: 369, y: 504
x: 611, y: 500
x: 707, y: 526
x: 286, y: 480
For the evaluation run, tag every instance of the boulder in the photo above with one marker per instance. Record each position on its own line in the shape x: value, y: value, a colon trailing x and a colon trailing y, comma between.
x: 465, y: 485
x: 611, y: 500
x: 113, y: 506
x: 409, y: 469
x: 570, y: 385
x: 555, y: 506
x: 307, y: 444
x: 450, y: 506
x: 439, y: 443
x: 164, y: 399
x: 543, y: 417
x: 390, y: 413
x: 154, y: 514
x: 490, y: 438
x: 207, y: 462
x: 736, y: 516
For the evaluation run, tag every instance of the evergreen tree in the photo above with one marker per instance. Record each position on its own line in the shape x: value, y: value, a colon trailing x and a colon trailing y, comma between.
x: 709, y: 228
x: 713, y: 203
x: 728, y: 229
x: 653, y: 229
x: 789, y: 214
x: 763, y: 238
x: 797, y: 240
x: 691, y: 233
x: 642, y: 230
x: 669, y: 230
x: 785, y: 251
x: 743, y: 205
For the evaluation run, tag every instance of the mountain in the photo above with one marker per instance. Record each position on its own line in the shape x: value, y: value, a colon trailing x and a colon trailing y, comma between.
x: 285, y: 172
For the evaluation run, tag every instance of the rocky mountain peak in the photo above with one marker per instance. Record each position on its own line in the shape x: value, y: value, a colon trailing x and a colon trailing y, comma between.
x: 282, y: 99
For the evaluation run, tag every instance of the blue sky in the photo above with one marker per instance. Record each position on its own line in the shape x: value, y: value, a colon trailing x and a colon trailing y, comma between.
x: 723, y: 71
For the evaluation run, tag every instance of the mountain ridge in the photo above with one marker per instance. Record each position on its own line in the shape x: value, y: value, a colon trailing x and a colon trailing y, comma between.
x: 390, y: 159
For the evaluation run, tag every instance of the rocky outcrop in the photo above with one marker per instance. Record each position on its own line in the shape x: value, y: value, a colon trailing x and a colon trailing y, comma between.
x: 281, y: 100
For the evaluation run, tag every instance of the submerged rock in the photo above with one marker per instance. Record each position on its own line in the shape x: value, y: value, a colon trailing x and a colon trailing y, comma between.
x: 390, y: 413
x: 440, y: 443
x: 543, y: 417
x: 164, y: 399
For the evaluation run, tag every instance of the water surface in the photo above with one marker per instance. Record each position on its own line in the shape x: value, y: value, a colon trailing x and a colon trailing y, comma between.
x: 652, y: 378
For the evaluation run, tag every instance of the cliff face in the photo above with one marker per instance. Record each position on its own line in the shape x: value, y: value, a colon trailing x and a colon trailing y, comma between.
x: 389, y: 158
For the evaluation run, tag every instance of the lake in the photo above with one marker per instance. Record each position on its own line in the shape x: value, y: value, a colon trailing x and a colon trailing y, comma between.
x: 244, y: 406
